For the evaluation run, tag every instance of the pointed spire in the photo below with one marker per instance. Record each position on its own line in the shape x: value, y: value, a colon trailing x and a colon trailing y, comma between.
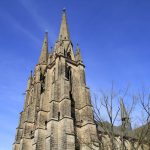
x: 124, y: 113
x: 64, y: 32
x: 44, y: 52
x: 78, y: 54
x: 125, y: 116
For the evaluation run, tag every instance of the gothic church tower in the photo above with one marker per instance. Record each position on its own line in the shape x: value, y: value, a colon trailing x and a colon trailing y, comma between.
x: 57, y: 113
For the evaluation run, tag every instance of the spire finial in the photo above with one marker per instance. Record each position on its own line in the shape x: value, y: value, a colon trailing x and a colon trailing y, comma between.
x: 64, y: 10
x: 46, y: 34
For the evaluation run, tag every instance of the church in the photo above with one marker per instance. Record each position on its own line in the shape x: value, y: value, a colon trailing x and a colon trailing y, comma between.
x: 57, y: 113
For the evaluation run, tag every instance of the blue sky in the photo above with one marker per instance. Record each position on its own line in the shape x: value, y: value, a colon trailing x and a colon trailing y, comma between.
x: 114, y: 37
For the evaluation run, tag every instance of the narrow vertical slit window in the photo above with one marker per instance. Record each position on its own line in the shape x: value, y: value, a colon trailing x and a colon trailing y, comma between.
x: 58, y: 115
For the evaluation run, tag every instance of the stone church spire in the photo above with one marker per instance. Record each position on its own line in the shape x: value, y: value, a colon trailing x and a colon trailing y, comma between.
x: 125, y: 116
x: 124, y: 113
x: 64, y: 32
x: 44, y: 52
x: 57, y: 113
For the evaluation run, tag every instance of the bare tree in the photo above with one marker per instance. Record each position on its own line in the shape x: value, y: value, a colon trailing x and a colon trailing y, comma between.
x: 142, y: 133
x: 114, y: 120
x: 108, y: 103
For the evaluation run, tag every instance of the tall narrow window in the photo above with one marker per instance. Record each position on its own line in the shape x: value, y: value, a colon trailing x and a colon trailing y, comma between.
x: 42, y: 79
x: 73, y: 110
x: 45, y: 124
x: 64, y: 52
x: 53, y: 77
x: 58, y: 115
x: 68, y: 72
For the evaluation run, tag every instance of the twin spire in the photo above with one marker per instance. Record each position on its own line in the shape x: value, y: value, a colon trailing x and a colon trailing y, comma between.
x: 63, y: 35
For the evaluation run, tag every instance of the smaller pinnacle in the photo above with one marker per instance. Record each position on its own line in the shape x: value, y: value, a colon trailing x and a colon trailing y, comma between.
x: 78, y: 47
x: 78, y: 54
x: 44, y: 51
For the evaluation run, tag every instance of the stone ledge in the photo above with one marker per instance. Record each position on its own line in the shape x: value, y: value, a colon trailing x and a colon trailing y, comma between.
x: 65, y: 98
x: 83, y: 107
